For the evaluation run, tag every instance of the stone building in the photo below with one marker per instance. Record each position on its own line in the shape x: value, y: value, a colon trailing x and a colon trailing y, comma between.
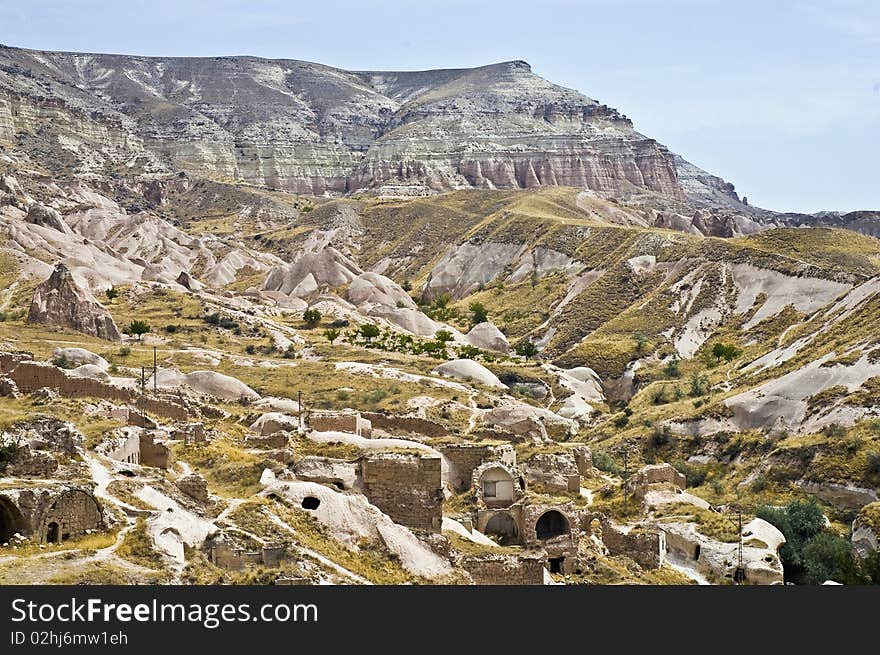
x: 408, y: 488
x: 351, y: 422
x: 463, y: 458
x: 50, y: 514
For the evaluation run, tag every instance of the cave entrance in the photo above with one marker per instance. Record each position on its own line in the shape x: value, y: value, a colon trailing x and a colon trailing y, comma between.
x: 310, y: 502
x: 556, y: 564
x: 503, y: 526
x: 52, y: 535
x: 551, y: 524
x: 11, y: 521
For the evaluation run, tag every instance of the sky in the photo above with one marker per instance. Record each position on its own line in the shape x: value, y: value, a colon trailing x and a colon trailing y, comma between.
x: 780, y: 98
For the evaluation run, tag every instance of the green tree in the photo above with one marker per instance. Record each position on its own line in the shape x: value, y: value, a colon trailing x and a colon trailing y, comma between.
x: 641, y: 341
x: 444, y: 336
x: 311, y: 317
x: 479, y: 313
x: 699, y: 385
x: 469, y: 352
x: 726, y: 351
x: 369, y: 331
x: 112, y: 294
x: 526, y: 348
x: 671, y: 369
x: 138, y: 328
x: 331, y: 335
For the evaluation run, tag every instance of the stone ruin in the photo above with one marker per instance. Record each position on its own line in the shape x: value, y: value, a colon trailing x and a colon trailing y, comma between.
x: 351, y: 422
x: 48, y: 514
x: 408, y: 488
x: 228, y: 552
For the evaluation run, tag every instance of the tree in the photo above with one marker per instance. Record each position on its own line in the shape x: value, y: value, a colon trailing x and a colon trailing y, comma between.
x: 479, y: 314
x: 726, y: 351
x: 699, y: 385
x: 331, y: 335
x: 671, y: 369
x: 443, y: 336
x: 369, y: 331
x: 311, y: 317
x: 469, y: 352
x: 112, y: 294
x: 138, y: 328
x: 641, y: 341
x: 526, y: 348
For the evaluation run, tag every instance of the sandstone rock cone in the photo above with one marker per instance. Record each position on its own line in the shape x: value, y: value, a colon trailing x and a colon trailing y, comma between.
x: 61, y: 302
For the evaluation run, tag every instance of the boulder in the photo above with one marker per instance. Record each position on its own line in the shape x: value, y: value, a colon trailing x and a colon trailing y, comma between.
x: 488, y: 337
x: 8, y: 388
x: 528, y: 421
x: 866, y: 530
x: 90, y: 371
x: 274, y: 422
x: 187, y: 281
x: 340, y: 473
x: 47, y: 217
x: 209, y: 383
x: 468, y: 369
x: 61, y: 302
x: 80, y: 356
x: 375, y: 289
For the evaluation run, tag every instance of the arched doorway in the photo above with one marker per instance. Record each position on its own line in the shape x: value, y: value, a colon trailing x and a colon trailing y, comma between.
x: 11, y: 521
x: 503, y: 526
x: 551, y: 524
x: 52, y: 535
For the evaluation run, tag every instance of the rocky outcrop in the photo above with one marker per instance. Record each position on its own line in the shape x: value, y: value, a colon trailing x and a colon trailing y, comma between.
x: 313, y: 129
x: 866, y: 530
x: 488, y: 337
x: 468, y: 369
x: 61, y: 302
x: 311, y: 272
x: 194, y: 486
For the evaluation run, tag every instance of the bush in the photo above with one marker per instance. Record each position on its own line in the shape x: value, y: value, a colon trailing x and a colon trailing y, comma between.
x: 671, y: 369
x: 621, y: 420
x: 726, y: 351
x: 444, y: 336
x: 331, y: 335
x: 699, y: 385
x: 468, y: 352
x: 873, y: 465
x: 526, y: 348
x: 311, y: 317
x: 138, y: 328
x: 828, y: 556
x: 112, y: 293
x: 369, y: 331
x: 7, y: 453
x: 604, y: 462
x: 479, y: 314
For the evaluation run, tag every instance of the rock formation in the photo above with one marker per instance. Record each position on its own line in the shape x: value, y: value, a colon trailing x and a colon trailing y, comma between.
x: 314, y: 129
x: 61, y: 302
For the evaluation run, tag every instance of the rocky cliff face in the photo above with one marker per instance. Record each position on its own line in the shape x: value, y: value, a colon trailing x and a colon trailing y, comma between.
x: 61, y: 302
x: 313, y: 129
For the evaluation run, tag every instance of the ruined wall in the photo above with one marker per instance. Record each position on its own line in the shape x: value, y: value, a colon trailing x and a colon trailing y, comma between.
x: 646, y: 548
x: 128, y: 450
x: 405, y: 487
x: 152, y: 453
x: 465, y: 457
x: 30, y: 376
x: 10, y: 360
x: 351, y: 422
x: 74, y: 512
x: 410, y: 425
x: 504, y: 569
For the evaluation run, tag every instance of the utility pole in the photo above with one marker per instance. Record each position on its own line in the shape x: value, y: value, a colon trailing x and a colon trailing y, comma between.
x: 299, y: 407
x: 625, y: 478
x: 155, y: 374
x: 143, y: 393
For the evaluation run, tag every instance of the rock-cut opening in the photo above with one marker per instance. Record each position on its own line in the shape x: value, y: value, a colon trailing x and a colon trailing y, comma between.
x: 11, y: 521
x: 310, y: 502
x: 551, y: 524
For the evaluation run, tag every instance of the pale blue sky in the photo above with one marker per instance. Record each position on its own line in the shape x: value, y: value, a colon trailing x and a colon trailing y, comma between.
x: 781, y: 98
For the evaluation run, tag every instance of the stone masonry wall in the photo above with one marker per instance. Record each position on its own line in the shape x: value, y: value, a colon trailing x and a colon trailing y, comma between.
x: 405, y: 487
x: 406, y: 424
x: 504, y: 569
x: 466, y: 457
